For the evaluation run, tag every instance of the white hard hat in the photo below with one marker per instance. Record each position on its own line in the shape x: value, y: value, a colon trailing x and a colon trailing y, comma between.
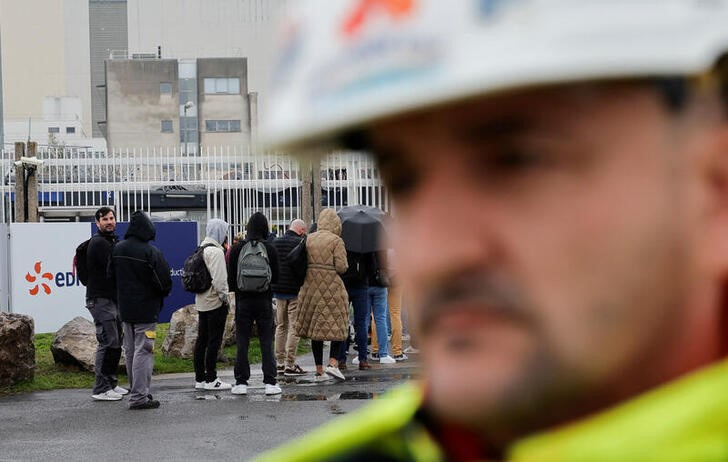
x: 343, y: 64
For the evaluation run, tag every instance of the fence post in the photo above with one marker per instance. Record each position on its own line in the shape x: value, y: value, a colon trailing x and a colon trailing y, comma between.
x: 19, y: 184
x: 306, y: 204
x: 32, y: 186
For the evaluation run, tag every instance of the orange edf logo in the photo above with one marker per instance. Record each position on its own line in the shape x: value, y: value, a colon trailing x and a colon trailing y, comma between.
x: 396, y: 9
x: 31, y: 279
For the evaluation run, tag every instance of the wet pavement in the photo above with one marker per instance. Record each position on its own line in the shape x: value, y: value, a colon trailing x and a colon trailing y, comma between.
x: 190, y: 424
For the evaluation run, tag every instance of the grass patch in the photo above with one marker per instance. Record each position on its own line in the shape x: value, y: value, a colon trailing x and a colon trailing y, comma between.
x: 52, y: 376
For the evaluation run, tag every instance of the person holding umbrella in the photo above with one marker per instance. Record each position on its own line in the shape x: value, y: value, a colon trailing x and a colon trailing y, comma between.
x: 362, y: 232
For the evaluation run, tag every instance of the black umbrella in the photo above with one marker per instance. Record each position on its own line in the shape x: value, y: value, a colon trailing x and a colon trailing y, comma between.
x: 361, y: 228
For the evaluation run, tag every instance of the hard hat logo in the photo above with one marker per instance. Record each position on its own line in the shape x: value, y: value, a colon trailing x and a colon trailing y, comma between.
x: 395, y: 9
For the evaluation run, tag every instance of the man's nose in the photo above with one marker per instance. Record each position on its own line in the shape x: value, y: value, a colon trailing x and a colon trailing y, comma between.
x: 447, y: 229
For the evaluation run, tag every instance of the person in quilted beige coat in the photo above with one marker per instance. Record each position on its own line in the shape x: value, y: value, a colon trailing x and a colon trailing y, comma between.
x: 323, y: 312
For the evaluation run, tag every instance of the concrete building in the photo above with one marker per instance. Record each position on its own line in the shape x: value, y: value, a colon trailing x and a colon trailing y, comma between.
x: 188, y: 29
x: 168, y: 103
x: 45, y: 54
x: 107, y: 35
x: 2, y: 127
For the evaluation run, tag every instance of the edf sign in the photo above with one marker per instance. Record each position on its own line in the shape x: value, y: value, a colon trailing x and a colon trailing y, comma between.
x: 42, y: 282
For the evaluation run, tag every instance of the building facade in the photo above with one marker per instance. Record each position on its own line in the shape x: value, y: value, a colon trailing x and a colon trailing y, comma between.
x: 45, y: 55
x: 108, y: 35
x: 185, y: 106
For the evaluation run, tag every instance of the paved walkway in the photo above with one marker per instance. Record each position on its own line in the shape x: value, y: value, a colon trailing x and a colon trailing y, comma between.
x: 190, y: 424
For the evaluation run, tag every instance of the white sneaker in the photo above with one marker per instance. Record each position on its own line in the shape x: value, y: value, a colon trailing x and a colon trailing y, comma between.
x: 322, y: 378
x: 217, y: 385
x: 402, y: 357
x: 109, y: 395
x: 386, y: 360
x: 239, y: 390
x: 334, y: 372
x: 355, y: 361
x: 272, y: 389
x: 199, y: 385
x: 120, y: 390
x: 411, y: 350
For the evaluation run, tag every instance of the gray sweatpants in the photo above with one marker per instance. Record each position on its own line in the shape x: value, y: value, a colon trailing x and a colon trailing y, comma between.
x: 108, y: 335
x: 139, y: 351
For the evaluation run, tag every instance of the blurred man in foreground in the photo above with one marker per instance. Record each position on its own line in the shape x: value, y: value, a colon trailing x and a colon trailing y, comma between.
x: 560, y: 171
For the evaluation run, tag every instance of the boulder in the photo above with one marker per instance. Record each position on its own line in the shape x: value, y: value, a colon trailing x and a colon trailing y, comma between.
x: 182, y: 334
x: 17, y: 350
x: 75, y: 345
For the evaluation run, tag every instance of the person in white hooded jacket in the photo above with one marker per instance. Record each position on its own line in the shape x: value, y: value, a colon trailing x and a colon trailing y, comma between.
x: 212, y: 307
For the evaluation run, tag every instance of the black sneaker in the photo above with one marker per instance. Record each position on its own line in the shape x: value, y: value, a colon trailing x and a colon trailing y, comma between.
x: 294, y: 371
x: 148, y: 404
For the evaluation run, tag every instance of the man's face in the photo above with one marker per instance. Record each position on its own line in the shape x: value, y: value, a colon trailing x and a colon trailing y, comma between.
x: 107, y: 223
x: 547, y: 245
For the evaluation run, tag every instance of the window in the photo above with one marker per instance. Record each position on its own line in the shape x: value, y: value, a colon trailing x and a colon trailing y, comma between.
x: 166, y: 126
x: 70, y: 130
x: 165, y: 88
x: 222, y: 85
x: 54, y: 130
x: 222, y: 125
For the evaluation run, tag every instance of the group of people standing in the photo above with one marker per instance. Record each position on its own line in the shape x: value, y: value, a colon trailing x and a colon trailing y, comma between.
x: 131, y: 278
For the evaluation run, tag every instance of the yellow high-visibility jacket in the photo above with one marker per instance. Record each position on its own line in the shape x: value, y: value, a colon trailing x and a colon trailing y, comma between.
x: 685, y: 420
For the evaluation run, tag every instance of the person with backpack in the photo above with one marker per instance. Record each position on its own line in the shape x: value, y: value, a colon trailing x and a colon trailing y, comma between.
x: 285, y: 292
x: 323, y: 305
x: 143, y: 279
x: 252, y: 269
x: 101, y: 303
x: 212, y: 307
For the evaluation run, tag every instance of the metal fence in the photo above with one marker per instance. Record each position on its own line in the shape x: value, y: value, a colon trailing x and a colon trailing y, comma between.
x: 228, y: 182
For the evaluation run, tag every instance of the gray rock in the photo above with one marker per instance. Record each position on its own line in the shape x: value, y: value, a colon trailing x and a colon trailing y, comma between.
x: 180, y: 340
x: 75, y: 345
x: 17, y: 350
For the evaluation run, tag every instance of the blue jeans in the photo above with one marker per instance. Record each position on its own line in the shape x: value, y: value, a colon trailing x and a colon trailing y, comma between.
x: 358, y: 298
x: 377, y: 297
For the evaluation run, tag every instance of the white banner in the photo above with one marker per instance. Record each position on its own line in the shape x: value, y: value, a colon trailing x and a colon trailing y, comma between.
x: 41, y: 266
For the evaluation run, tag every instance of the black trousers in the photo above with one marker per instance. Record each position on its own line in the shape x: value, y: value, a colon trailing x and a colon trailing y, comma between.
x: 260, y: 311
x: 209, y: 338
x: 317, y: 348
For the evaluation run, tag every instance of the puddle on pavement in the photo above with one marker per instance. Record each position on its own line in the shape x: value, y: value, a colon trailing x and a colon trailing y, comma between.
x: 379, y: 379
x: 347, y: 395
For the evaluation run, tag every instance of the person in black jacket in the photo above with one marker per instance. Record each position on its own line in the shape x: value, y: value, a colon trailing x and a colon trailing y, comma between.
x: 356, y: 279
x: 254, y: 306
x: 285, y: 292
x: 101, y: 303
x: 142, y: 281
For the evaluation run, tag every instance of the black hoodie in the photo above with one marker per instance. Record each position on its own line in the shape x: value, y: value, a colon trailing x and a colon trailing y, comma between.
x: 257, y: 229
x: 98, y: 256
x: 142, y: 274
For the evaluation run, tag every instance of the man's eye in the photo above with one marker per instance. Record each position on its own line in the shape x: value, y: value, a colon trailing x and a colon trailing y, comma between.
x: 515, y: 159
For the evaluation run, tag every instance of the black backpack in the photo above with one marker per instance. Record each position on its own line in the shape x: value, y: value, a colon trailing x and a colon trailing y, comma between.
x: 196, y: 277
x: 80, y: 265
x: 297, y: 260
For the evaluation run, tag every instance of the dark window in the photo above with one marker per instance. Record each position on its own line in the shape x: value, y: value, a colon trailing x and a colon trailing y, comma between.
x: 166, y: 126
x: 54, y: 129
x: 70, y: 130
x: 222, y: 125
x: 222, y: 85
x: 165, y: 88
